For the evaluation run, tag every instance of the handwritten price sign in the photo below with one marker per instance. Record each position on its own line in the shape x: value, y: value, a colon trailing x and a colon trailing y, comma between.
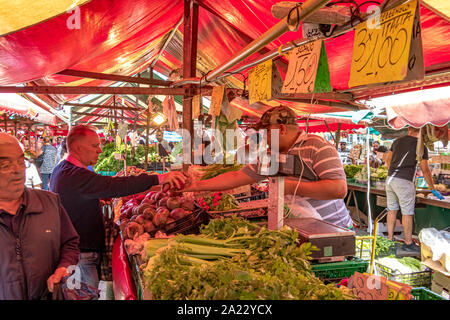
x: 260, y: 82
x: 382, y: 52
x: 308, y: 69
x: 216, y: 100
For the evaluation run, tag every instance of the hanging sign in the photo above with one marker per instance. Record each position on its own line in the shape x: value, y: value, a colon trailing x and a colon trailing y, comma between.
x: 264, y: 82
x: 259, y: 82
x: 389, y: 48
x: 216, y: 100
x: 122, y: 131
x: 311, y: 30
x: 308, y: 70
x: 196, y: 106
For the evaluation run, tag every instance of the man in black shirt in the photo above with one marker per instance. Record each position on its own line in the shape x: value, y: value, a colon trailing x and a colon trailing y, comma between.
x: 81, y: 190
x: 400, y: 184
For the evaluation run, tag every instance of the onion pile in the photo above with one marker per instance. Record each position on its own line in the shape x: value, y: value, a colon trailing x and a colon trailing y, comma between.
x: 152, y: 212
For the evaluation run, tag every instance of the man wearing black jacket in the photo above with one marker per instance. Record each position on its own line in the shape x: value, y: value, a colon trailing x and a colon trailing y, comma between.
x: 81, y: 190
x: 38, y: 241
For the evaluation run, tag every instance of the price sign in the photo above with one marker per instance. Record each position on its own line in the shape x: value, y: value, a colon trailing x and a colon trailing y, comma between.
x: 368, y: 287
x: 216, y: 100
x: 308, y: 69
x: 389, y: 49
x: 260, y: 82
x: 196, y: 106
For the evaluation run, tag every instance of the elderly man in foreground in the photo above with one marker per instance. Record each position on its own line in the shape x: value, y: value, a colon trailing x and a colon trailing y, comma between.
x: 38, y: 239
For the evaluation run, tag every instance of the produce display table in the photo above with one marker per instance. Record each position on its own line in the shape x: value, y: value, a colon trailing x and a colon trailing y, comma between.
x: 429, y: 213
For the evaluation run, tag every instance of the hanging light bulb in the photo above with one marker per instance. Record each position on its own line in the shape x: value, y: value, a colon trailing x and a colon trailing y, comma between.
x: 159, y: 119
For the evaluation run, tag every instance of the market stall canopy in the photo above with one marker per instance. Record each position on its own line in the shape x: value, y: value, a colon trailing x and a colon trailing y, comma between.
x: 418, y: 108
x: 330, y: 122
x: 13, y: 104
x: 124, y: 37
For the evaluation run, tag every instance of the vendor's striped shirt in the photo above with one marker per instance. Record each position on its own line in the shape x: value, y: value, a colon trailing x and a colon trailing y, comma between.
x: 324, y: 163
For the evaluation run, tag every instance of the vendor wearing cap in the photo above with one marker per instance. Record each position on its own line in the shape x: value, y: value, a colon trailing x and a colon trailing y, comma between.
x: 323, y: 183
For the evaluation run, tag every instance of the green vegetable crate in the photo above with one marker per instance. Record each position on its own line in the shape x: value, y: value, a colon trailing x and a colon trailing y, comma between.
x: 336, y: 271
x: 414, y: 279
x: 422, y: 293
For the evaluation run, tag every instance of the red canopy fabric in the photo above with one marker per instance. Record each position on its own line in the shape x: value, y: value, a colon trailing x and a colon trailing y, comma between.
x: 123, y: 37
x: 434, y: 112
x: 12, y: 103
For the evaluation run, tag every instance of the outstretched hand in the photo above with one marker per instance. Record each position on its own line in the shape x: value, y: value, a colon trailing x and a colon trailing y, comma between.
x: 175, y: 179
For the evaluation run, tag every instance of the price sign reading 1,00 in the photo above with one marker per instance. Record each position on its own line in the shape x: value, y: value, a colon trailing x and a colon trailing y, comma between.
x: 301, y: 74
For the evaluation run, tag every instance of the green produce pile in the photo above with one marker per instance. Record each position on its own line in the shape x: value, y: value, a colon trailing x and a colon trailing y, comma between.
x: 383, y: 247
x: 234, y: 259
x: 218, y: 169
x: 352, y: 169
x: 403, y: 265
x: 107, y: 162
x: 219, y: 201
x: 379, y: 174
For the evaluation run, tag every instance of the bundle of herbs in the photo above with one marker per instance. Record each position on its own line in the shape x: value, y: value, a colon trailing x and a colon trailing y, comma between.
x: 263, y: 264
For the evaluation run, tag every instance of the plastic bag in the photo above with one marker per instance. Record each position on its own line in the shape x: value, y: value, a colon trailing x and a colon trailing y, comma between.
x: 83, y: 292
x: 301, y: 208
x: 438, y: 241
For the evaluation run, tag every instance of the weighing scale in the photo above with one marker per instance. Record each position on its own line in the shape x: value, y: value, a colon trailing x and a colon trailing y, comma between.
x: 335, y: 243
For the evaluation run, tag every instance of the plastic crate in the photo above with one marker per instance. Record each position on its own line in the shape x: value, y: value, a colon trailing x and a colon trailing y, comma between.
x: 335, y: 271
x: 414, y: 279
x: 422, y: 293
x: 190, y: 224
x: 259, y: 196
x: 367, y: 252
x: 250, y: 214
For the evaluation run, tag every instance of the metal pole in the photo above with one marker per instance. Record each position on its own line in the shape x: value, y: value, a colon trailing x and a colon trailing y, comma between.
x: 172, y: 33
x: 70, y: 119
x: 189, y: 66
x: 273, y: 33
x: 286, y: 48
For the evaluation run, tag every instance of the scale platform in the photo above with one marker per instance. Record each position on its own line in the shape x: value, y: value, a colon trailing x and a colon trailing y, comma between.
x: 335, y: 243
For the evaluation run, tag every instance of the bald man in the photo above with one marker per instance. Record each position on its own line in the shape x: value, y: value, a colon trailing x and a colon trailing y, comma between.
x: 38, y: 240
x: 81, y: 190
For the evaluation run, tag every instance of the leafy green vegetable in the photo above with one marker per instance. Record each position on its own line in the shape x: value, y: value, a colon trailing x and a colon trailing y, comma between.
x: 274, y: 267
x: 218, y: 169
x: 352, y: 169
x: 107, y: 162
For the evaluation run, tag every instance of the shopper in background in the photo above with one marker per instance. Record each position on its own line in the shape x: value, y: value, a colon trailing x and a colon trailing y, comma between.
x: 81, y: 190
x: 32, y: 178
x: 163, y: 147
x: 61, y: 149
x: 400, y: 184
x: 48, y: 162
x: 38, y: 240
x: 344, y: 152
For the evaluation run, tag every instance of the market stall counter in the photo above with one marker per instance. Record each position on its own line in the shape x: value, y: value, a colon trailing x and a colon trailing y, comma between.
x: 428, y: 212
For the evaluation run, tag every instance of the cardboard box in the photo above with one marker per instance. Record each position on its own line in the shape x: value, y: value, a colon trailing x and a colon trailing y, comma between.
x: 427, y: 253
x: 441, y: 284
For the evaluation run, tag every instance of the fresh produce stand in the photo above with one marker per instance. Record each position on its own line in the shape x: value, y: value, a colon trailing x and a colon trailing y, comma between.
x: 429, y: 212
x: 218, y: 246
